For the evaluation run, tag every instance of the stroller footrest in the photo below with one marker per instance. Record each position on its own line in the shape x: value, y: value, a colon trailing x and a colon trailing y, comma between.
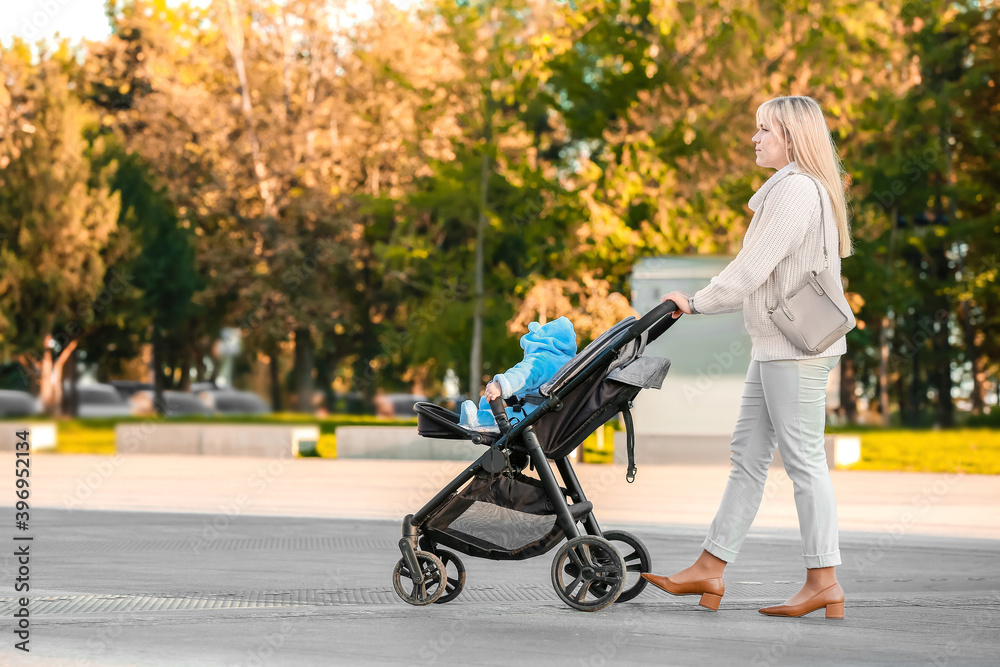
x: 434, y: 421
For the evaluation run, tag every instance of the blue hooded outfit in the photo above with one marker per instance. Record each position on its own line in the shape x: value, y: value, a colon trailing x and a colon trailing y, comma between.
x: 547, y: 348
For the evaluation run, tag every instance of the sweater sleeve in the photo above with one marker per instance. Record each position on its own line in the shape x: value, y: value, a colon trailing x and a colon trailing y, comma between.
x: 778, y: 231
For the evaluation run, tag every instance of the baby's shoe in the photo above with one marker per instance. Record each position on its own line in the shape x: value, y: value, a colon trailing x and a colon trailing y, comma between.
x: 470, y: 416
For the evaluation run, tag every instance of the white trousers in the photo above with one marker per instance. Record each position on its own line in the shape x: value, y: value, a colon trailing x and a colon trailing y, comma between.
x: 783, y: 405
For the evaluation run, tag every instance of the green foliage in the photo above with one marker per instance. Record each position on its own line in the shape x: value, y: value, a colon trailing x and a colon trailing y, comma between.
x: 279, y: 177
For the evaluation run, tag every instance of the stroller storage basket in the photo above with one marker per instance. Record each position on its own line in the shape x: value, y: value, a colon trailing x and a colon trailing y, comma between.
x: 506, y: 518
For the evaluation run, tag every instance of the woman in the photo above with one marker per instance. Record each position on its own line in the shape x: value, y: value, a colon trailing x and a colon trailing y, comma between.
x: 784, y: 398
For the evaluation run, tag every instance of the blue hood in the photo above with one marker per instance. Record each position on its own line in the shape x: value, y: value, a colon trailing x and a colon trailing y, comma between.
x: 557, y: 336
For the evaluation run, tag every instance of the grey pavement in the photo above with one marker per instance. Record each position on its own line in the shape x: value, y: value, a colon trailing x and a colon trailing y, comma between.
x: 157, y: 588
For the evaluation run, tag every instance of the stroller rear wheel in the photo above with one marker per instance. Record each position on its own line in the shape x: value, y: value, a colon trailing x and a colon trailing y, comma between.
x: 433, y: 585
x: 637, y: 561
x: 596, y: 575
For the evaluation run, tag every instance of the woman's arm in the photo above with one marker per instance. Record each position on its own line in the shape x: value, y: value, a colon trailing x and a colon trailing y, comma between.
x: 781, y: 228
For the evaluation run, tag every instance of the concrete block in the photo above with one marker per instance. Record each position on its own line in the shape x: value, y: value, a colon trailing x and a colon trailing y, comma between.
x: 266, y: 440
x: 41, y: 435
x: 400, y: 442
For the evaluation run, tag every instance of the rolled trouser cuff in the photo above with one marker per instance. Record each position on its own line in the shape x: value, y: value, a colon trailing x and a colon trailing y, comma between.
x: 719, y: 551
x: 822, y: 560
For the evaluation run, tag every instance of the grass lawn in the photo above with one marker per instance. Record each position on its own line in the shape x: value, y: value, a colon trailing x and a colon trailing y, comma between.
x: 970, y: 450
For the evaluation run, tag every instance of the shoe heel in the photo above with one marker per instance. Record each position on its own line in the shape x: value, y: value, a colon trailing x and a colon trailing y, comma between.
x: 711, y: 601
x: 835, y: 610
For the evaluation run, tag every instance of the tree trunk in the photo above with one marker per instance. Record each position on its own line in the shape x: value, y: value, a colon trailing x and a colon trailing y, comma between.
x: 304, y: 363
x: 883, y: 371
x: 50, y: 382
x: 274, y: 350
x: 199, y: 366
x: 45, y: 391
x: 848, y: 399
x: 325, y: 378
x: 29, y: 372
x: 476, y: 357
x: 185, y: 381
x: 157, y: 370
x: 916, y: 389
x: 942, y: 355
x: 231, y: 22
x: 904, y: 404
x: 978, y: 396
x: 69, y: 402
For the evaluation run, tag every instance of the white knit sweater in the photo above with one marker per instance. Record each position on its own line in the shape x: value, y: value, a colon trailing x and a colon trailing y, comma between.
x: 786, y: 234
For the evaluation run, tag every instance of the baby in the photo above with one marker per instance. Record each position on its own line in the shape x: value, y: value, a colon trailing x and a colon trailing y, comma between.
x: 547, y: 347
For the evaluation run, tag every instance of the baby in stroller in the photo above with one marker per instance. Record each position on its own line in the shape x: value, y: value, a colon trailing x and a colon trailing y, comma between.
x: 547, y: 348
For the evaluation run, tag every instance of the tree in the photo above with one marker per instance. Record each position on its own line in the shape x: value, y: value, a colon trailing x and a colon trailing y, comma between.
x: 59, y: 215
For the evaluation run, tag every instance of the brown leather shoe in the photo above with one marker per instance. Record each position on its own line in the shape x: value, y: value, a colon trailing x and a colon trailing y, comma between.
x: 710, y: 590
x: 831, y: 597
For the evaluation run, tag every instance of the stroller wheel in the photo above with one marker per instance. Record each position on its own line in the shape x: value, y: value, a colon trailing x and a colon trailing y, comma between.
x: 596, y: 575
x: 637, y: 561
x: 430, y: 590
x: 454, y: 582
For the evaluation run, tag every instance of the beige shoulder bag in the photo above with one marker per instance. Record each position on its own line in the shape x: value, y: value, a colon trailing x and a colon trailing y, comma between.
x: 814, y: 316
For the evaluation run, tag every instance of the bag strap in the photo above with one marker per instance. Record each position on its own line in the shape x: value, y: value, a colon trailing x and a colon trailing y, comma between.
x: 629, y: 443
x: 826, y: 257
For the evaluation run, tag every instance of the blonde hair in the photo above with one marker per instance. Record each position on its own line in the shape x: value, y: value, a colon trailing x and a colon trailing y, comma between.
x: 810, y: 144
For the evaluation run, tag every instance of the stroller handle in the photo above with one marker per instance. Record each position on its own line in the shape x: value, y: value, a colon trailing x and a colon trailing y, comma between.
x: 497, y: 405
x: 654, y: 316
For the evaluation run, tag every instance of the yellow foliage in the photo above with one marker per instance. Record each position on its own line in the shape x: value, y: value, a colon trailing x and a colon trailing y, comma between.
x: 958, y: 450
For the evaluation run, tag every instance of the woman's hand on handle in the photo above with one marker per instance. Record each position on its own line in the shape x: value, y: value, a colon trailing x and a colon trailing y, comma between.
x: 681, y: 299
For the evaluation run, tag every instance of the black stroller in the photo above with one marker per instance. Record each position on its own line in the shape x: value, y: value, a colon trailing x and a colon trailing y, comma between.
x: 493, y: 510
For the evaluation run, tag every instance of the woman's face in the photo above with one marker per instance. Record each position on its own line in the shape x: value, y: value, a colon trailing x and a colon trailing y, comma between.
x: 770, y: 147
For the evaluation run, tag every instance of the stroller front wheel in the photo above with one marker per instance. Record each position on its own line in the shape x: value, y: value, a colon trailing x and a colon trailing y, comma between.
x: 453, y: 584
x: 432, y: 586
x: 595, y: 576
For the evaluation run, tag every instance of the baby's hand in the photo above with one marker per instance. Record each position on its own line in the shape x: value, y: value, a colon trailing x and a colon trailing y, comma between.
x: 493, y: 391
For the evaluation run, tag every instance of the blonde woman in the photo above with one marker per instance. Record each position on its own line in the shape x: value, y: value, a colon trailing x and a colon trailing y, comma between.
x: 784, y: 398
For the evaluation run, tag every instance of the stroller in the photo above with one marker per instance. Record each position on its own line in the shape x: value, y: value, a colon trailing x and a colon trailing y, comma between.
x: 493, y: 510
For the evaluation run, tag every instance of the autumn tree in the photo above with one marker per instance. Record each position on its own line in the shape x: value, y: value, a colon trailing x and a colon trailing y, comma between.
x: 58, y: 216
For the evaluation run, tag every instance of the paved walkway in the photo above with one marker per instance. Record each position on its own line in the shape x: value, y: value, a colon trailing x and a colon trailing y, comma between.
x: 144, y: 588
x: 955, y: 505
x: 151, y: 560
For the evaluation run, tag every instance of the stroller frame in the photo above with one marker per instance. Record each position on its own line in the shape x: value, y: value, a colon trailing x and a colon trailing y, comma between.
x: 589, y: 548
